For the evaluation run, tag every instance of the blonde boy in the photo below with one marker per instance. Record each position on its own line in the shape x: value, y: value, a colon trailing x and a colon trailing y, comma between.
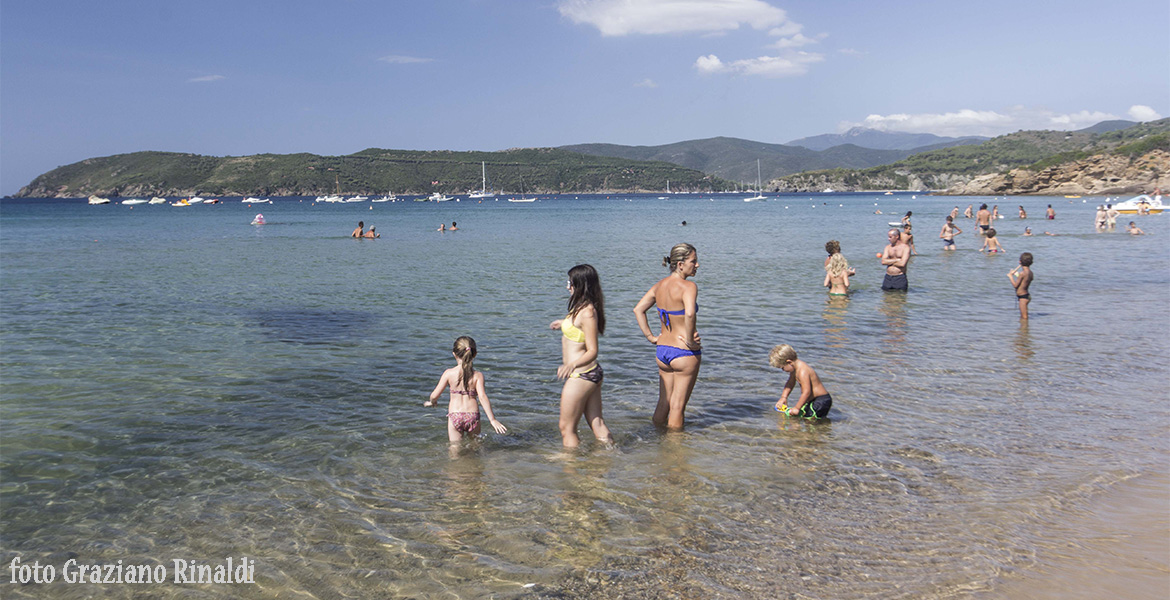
x: 814, y: 400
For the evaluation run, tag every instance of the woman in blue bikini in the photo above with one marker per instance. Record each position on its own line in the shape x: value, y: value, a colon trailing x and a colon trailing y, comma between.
x: 679, y: 351
x: 580, y: 329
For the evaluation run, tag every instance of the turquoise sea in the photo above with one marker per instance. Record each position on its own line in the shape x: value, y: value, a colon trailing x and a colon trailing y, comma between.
x: 178, y: 384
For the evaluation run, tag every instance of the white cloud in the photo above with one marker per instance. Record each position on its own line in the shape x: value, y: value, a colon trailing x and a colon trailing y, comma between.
x: 984, y: 122
x: 709, y: 64
x: 795, y: 63
x: 797, y: 41
x: 852, y: 52
x: 646, y: 83
x: 206, y: 78
x: 396, y: 59
x: 1079, y: 120
x: 1141, y: 112
x: 627, y: 17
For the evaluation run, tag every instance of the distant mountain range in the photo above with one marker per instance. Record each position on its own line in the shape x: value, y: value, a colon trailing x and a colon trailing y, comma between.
x: 735, y: 158
x: 884, y: 140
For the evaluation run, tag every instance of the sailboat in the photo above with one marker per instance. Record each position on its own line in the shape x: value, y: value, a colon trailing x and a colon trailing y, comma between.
x: 759, y: 195
x: 522, y: 197
x: 483, y: 192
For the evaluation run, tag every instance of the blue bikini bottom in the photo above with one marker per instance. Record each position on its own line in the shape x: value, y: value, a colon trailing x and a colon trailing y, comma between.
x: 666, y: 354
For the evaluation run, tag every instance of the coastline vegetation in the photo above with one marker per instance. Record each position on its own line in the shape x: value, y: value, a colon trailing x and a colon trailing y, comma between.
x: 1033, y: 150
x: 371, y: 171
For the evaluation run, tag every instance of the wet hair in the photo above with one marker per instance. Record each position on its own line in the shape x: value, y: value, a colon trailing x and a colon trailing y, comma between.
x: 361, y: 224
x: 453, y: 223
x: 587, y: 290
x: 464, y: 348
x: 832, y: 247
x: 678, y: 253
x: 837, y: 264
x: 990, y: 233
x: 908, y: 213
x: 781, y: 354
x: 983, y: 206
x: 1026, y: 259
x: 950, y: 219
x: 907, y: 227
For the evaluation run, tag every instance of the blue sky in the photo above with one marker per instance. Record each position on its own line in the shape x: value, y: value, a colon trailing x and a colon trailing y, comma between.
x: 80, y: 79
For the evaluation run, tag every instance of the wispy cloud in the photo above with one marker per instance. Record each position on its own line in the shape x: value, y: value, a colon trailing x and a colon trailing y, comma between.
x: 646, y: 83
x: 628, y: 17
x: 991, y: 122
x: 798, y: 40
x: 397, y: 59
x: 206, y: 78
x: 1141, y: 112
x: 852, y: 52
x: 795, y: 63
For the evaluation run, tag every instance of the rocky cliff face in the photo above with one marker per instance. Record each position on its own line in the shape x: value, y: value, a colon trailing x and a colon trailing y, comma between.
x: 1099, y: 175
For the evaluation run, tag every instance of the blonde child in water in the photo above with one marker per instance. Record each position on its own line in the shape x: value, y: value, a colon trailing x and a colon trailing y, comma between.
x: 466, y: 389
x: 837, y: 274
x: 814, y: 400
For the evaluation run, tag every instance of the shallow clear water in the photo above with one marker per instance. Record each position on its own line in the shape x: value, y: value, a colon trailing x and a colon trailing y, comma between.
x: 178, y: 384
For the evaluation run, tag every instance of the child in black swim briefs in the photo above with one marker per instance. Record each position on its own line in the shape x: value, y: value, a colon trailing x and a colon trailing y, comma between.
x: 814, y: 401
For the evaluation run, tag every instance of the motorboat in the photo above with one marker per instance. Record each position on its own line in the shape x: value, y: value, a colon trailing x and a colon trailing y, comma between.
x: 182, y: 202
x: 254, y: 200
x: 134, y: 201
x: 98, y: 200
x: 158, y: 200
x: 212, y: 201
x: 357, y: 199
x: 389, y: 197
x: 195, y: 200
x: 1134, y: 205
x: 439, y: 197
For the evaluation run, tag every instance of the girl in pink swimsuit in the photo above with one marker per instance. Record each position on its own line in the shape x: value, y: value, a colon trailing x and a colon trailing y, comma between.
x: 467, y: 389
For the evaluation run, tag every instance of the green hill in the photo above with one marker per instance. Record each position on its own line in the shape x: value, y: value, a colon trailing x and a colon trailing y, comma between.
x: 372, y: 171
x: 943, y: 168
x: 735, y: 158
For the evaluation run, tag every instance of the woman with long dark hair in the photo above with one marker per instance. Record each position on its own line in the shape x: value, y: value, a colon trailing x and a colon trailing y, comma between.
x: 678, y: 349
x: 581, y: 395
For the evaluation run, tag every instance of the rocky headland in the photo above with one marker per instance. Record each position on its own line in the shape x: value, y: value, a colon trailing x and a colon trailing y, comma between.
x: 1099, y: 175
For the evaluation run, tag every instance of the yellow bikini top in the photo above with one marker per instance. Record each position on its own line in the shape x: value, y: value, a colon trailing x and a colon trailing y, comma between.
x: 570, y: 331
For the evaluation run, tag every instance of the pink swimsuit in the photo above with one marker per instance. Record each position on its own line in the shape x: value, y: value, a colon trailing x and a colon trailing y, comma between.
x: 464, y: 422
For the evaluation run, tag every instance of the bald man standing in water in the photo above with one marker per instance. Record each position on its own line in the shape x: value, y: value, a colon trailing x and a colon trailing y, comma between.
x: 895, y: 257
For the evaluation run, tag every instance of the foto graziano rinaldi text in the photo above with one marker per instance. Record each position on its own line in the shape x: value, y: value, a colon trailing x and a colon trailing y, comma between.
x: 229, y: 570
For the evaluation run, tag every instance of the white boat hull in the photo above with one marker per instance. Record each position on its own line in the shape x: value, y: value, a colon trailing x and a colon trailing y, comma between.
x: 1132, y: 206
